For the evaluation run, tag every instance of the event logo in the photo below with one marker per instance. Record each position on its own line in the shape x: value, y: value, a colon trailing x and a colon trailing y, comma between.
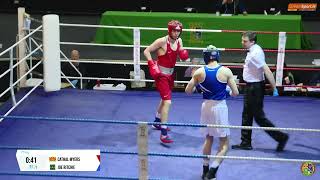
x: 308, y: 168
x: 196, y: 36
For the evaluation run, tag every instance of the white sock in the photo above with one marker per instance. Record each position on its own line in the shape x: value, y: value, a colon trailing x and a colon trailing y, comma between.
x: 214, y: 164
x: 158, y: 115
x: 206, y: 162
x: 163, y: 126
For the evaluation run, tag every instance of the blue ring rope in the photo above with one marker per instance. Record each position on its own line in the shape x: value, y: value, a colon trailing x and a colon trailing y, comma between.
x: 98, y: 121
x: 196, y: 156
x: 71, y: 176
x: 62, y: 119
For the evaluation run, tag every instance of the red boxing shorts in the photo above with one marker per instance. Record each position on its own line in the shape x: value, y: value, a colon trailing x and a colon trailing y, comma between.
x: 164, y: 84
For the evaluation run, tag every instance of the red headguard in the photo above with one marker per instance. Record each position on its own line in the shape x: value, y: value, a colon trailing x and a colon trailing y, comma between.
x: 174, y: 25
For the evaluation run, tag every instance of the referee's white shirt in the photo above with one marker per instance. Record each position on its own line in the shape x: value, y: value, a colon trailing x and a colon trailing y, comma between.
x: 253, y: 66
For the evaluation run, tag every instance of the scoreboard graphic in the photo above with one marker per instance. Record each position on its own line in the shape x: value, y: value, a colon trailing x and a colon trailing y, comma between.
x: 58, y: 160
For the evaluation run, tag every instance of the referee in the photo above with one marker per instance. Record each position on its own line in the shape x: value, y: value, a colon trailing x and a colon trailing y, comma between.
x: 254, y: 71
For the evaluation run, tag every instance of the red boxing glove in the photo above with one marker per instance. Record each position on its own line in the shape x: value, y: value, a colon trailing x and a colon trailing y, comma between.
x: 154, y: 69
x: 184, y: 55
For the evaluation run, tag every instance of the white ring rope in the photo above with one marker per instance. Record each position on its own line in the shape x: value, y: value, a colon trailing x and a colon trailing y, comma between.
x: 124, y: 45
x: 120, y: 79
x: 97, y: 44
x: 21, y: 78
x: 129, y: 62
x: 127, y: 27
x: 22, y: 99
x: 20, y: 61
x: 24, y: 38
x: 179, y: 64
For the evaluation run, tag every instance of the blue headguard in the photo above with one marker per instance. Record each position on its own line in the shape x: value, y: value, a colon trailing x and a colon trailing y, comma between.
x: 211, y: 53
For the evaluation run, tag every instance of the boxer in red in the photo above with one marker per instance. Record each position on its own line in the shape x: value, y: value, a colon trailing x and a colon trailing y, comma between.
x: 168, y: 48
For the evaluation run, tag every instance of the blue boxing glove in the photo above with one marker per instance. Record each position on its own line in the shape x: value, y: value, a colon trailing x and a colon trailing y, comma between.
x: 228, y: 92
x: 198, y: 88
x: 275, y: 92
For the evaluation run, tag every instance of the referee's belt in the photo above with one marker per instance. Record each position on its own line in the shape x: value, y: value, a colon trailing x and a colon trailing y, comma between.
x: 251, y: 83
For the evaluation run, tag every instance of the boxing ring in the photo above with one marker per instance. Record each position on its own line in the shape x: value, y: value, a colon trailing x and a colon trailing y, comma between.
x: 38, y: 118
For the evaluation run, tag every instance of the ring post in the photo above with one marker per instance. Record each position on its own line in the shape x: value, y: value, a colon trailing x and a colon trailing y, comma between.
x: 143, y: 150
x: 21, y: 47
x: 51, y: 53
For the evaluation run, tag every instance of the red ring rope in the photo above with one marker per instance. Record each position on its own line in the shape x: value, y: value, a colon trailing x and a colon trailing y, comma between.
x: 287, y: 68
x: 269, y: 32
x: 275, y: 50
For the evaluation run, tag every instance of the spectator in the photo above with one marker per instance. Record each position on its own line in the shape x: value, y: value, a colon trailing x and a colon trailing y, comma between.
x: 288, y: 78
x: 70, y: 70
x: 190, y: 70
x: 314, y: 81
x: 272, y: 7
x: 230, y: 7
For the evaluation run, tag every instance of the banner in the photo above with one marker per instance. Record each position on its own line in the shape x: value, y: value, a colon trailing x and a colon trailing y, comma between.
x: 302, y: 6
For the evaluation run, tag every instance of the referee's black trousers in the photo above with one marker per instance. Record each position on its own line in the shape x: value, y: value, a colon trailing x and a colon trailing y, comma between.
x: 253, y: 108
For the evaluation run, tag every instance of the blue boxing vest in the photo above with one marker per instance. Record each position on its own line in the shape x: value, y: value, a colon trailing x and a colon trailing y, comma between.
x: 212, y: 88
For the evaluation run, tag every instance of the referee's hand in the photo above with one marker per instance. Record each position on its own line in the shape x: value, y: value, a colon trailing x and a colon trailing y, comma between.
x: 275, y: 92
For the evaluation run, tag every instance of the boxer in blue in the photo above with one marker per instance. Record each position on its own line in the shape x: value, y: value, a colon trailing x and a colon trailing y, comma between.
x: 212, y: 80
